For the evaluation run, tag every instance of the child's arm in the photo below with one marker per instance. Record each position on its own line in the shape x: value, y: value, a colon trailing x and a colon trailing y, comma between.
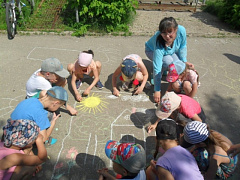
x: 194, y: 90
x: 164, y: 174
x: 96, y: 79
x: 145, y: 78
x: 169, y: 88
x: 153, y: 126
x: 71, y: 109
x: 196, y: 118
x: 18, y: 159
x: 234, y: 149
x: 114, y: 81
x: 47, y: 132
x: 73, y: 83
x: 104, y: 172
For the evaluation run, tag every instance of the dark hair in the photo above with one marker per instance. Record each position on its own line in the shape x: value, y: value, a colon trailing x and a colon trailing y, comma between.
x: 89, y: 52
x: 165, y: 24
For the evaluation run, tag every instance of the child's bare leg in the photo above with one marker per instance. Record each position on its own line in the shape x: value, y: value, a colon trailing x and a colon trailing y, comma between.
x: 23, y: 172
x: 176, y: 87
x: 139, y: 76
x: 187, y: 87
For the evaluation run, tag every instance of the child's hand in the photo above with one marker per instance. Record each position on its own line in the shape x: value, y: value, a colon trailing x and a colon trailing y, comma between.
x: 234, y: 149
x: 103, y: 173
x: 190, y: 65
x: 55, y: 117
x: 78, y: 97
x: 116, y: 92
x: 151, y: 127
x: 72, y: 111
x: 157, y: 96
x: 138, y: 90
x: 153, y: 166
x: 86, y: 92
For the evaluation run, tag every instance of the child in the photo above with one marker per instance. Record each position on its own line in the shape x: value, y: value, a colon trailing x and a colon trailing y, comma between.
x: 176, y: 162
x: 128, y: 160
x: 210, y: 150
x: 37, y: 110
x: 180, y: 104
x: 51, y: 74
x: 133, y: 71
x: 17, y: 161
x: 181, y: 78
x: 85, y: 65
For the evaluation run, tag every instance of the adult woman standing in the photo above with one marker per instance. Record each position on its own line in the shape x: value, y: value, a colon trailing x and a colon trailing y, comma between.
x: 169, y: 43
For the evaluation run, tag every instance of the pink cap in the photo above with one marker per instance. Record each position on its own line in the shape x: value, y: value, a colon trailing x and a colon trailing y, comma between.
x: 84, y: 59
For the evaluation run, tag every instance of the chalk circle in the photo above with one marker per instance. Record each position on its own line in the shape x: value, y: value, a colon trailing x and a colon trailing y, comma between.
x: 93, y: 103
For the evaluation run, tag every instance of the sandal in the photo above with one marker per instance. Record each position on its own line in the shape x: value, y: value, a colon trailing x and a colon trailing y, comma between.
x: 50, y: 141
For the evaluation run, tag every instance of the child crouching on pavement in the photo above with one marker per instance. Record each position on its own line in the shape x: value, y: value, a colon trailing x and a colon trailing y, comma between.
x: 133, y: 71
x: 85, y: 65
x: 182, y: 79
x: 128, y: 159
x: 17, y: 160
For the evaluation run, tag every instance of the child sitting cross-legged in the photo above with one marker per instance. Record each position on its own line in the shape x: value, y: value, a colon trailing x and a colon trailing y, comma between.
x: 128, y: 159
x: 182, y: 79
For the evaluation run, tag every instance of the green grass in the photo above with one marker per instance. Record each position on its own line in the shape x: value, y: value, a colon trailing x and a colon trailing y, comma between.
x: 42, y: 20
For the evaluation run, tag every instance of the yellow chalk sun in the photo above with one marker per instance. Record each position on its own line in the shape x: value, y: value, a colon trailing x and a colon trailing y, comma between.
x: 93, y: 103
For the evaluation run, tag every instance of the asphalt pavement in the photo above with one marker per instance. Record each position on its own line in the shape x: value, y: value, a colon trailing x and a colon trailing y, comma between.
x: 79, y: 151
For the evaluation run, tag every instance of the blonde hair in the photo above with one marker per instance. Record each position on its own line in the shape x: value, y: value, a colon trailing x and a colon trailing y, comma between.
x: 215, y: 139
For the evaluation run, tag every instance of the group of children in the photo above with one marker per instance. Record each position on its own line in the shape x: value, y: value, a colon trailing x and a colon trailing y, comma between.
x: 191, y: 150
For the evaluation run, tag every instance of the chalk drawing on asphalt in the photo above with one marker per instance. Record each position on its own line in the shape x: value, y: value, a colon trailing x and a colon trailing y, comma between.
x: 92, y: 104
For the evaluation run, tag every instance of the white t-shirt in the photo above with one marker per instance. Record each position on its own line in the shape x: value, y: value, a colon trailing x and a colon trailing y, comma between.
x: 141, y: 176
x: 36, y: 83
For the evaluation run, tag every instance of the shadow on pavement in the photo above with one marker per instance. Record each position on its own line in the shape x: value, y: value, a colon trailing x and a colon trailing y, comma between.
x: 233, y: 58
x: 213, y: 21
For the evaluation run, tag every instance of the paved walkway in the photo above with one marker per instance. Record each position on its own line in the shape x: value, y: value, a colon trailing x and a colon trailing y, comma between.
x: 79, y: 151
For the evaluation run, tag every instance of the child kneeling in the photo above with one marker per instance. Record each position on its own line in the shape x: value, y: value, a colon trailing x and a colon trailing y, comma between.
x: 128, y: 159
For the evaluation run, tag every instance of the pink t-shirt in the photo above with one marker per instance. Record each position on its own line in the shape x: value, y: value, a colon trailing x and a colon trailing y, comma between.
x: 189, y: 107
x: 7, y: 174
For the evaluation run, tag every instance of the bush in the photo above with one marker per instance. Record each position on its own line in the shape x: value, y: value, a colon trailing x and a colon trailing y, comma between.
x: 226, y: 10
x: 100, y: 15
